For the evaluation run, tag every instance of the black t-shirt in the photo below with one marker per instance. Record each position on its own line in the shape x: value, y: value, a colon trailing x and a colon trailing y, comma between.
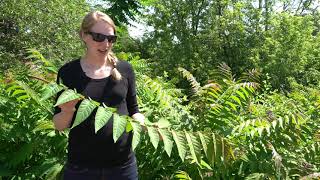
x: 87, y: 148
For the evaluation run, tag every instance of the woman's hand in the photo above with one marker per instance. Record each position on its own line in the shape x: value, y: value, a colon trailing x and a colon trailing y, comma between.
x: 63, y: 119
x: 139, y: 117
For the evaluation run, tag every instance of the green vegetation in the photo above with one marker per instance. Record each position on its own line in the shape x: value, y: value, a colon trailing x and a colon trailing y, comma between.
x: 230, y: 88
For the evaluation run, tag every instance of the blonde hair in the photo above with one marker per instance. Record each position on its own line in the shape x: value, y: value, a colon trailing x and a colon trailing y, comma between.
x: 88, y: 22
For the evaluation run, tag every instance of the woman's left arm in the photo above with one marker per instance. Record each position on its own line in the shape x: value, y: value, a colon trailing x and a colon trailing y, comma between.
x: 131, y: 99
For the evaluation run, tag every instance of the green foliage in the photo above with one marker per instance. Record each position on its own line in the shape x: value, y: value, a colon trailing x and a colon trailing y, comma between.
x: 179, y: 139
x: 66, y: 96
x: 154, y: 136
x: 195, y: 85
x: 278, y: 131
x: 50, y: 27
x: 288, y: 52
x: 27, y: 132
x: 220, y: 103
x: 136, y: 134
x: 51, y: 90
x: 119, y: 126
x: 122, y: 11
x: 102, y: 117
x: 280, y: 38
x: 194, y: 146
x: 161, y: 128
x: 85, y: 109
x: 167, y: 140
x: 267, y: 135
x: 182, y: 175
x: 269, y: 131
x: 227, y: 125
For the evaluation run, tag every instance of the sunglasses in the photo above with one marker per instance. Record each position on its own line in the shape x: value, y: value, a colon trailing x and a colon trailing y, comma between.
x: 98, y: 37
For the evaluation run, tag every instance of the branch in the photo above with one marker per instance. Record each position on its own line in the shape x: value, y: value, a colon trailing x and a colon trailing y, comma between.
x: 41, y: 79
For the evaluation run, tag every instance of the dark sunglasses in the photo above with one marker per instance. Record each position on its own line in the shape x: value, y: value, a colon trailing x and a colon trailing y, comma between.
x: 98, y: 37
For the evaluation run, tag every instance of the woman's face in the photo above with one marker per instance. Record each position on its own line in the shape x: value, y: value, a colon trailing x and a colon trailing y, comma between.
x: 98, y: 48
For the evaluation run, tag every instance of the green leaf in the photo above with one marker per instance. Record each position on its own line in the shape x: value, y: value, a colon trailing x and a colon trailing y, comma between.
x: 11, y: 88
x: 274, y: 124
x: 232, y: 105
x: 280, y: 122
x: 256, y: 176
x: 66, y: 96
x: 194, y: 146
x: 54, y: 171
x: 24, y: 153
x: 52, y: 69
x: 5, y: 171
x: 214, y: 95
x: 33, y: 95
x: 205, y: 141
x: 180, y: 142
x: 119, y: 126
x: 23, y: 97
x: 287, y: 137
x: 253, y: 132
x: 85, y: 109
x: 102, y: 117
x: 167, y: 140
x: 18, y: 91
x: 268, y: 130
x: 212, y: 149
x: 236, y: 99
x: 163, y: 123
x: 129, y: 127
x: 136, y: 134
x: 44, y: 125
x: 245, y: 91
x: 206, y: 165
x: 220, y: 150
x: 241, y: 127
x: 154, y: 136
x: 50, y: 90
x: 260, y: 131
x: 181, y: 175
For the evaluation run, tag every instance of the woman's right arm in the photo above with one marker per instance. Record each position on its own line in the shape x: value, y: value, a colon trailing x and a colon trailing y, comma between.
x: 62, y: 120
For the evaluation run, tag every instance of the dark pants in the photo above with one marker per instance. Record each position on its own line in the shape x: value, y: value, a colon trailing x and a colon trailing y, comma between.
x: 128, y: 172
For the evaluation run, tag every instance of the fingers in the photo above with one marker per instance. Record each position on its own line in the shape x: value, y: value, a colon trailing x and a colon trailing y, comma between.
x: 70, y: 103
x: 75, y: 101
x: 69, y: 106
x: 139, y: 117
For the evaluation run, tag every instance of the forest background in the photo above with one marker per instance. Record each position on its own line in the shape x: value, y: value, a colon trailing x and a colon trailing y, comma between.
x: 234, y: 82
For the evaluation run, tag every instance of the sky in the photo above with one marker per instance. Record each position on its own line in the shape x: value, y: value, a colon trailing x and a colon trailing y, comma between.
x: 137, y: 29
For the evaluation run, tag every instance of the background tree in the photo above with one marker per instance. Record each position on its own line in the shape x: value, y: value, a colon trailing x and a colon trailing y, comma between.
x: 52, y: 27
x: 245, y: 34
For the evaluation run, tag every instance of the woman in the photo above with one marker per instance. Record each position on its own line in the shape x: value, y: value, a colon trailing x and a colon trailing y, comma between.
x: 102, y: 77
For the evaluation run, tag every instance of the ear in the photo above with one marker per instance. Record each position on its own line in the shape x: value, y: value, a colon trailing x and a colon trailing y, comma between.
x: 81, y: 34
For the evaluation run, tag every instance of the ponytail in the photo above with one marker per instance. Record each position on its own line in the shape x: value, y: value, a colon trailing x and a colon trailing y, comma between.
x: 113, y: 60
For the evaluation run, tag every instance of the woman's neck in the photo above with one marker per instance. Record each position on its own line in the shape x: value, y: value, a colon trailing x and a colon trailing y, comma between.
x: 94, y: 60
x: 95, y: 67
